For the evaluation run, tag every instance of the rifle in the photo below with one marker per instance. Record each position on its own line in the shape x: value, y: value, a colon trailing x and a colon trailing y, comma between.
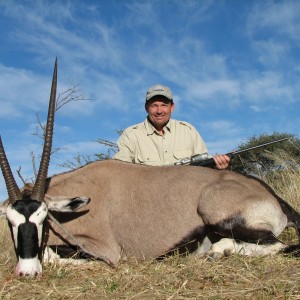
x: 204, y: 159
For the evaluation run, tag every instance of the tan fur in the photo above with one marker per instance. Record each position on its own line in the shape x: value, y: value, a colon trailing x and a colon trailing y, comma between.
x: 145, y: 211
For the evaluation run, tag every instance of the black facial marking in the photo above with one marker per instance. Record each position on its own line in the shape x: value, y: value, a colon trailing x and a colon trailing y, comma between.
x: 26, y: 207
x: 27, y: 240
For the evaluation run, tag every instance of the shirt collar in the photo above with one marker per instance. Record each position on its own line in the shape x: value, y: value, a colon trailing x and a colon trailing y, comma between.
x: 151, y: 130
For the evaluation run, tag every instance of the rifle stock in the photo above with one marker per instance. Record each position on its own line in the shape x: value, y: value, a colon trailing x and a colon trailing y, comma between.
x: 202, y: 160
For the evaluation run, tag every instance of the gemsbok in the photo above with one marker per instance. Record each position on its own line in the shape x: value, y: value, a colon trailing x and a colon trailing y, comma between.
x: 115, y: 210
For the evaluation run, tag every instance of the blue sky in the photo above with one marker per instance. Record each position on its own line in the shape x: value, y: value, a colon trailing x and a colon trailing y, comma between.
x: 232, y: 65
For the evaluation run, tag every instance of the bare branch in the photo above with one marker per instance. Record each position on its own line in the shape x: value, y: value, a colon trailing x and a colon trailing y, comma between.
x: 107, y: 143
x: 33, y: 164
x: 22, y: 178
x: 73, y: 94
x: 39, y: 127
x: 78, y: 161
x: 20, y: 175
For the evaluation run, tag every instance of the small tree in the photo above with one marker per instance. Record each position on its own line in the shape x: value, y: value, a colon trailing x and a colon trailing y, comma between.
x: 111, y: 147
x: 72, y: 94
x: 270, y: 158
x: 77, y: 161
x: 80, y: 160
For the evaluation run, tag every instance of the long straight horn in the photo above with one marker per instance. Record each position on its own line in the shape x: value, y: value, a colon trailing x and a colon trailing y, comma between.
x: 11, y: 185
x: 38, y: 192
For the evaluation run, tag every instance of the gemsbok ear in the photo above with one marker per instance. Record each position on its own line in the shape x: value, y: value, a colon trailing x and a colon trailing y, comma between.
x: 66, y: 204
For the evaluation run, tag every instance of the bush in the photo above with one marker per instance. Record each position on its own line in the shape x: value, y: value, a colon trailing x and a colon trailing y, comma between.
x: 262, y: 161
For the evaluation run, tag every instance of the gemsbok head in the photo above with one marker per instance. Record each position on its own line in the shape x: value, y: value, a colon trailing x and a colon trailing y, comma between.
x: 27, y: 212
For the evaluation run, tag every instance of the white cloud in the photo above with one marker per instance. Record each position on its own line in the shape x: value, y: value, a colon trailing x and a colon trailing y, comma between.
x: 271, y: 53
x: 281, y: 17
x: 267, y: 87
x: 214, y: 90
x: 274, y: 30
x: 222, y: 128
x: 19, y: 91
x: 256, y: 108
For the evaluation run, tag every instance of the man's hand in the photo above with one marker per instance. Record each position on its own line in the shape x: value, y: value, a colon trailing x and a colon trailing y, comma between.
x: 221, y: 161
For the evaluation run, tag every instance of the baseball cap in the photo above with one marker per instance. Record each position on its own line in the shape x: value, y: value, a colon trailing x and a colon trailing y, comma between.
x: 159, y: 90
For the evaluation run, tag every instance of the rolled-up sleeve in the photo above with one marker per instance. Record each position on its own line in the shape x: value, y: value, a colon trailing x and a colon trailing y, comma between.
x: 199, y: 146
x: 125, y: 146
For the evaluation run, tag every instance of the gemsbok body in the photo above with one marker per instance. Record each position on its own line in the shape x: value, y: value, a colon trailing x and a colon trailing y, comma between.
x: 142, y: 211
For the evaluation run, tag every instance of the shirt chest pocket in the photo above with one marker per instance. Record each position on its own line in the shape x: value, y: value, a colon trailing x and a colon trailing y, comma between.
x: 148, y: 158
x: 180, y: 154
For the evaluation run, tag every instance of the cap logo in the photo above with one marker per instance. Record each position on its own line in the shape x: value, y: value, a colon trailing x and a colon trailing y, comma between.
x: 159, y: 90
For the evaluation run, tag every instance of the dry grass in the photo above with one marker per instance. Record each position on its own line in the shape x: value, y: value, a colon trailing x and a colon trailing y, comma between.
x: 234, y: 277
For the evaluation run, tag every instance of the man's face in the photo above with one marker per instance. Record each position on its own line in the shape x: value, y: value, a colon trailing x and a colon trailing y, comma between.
x: 159, y: 111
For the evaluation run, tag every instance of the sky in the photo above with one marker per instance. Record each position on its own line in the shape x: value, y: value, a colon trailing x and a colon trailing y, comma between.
x: 233, y: 67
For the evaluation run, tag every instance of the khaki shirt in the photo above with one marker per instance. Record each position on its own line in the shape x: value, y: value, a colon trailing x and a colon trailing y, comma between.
x: 142, y: 144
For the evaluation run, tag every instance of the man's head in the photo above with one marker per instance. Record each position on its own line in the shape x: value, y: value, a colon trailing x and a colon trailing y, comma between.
x: 159, y: 105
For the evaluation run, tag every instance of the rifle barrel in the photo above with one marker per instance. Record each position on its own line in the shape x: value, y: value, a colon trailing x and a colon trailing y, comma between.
x: 198, y: 161
x: 231, y: 154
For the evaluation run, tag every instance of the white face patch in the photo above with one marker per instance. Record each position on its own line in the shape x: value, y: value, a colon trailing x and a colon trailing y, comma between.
x: 15, y: 219
x: 38, y: 218
x: 39, y: 215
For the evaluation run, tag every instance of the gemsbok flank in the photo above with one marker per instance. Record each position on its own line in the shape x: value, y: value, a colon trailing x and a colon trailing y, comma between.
x: 141, y: 212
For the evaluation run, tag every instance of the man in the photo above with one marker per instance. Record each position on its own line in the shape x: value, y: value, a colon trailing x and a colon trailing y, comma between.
x: 160, y: 140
